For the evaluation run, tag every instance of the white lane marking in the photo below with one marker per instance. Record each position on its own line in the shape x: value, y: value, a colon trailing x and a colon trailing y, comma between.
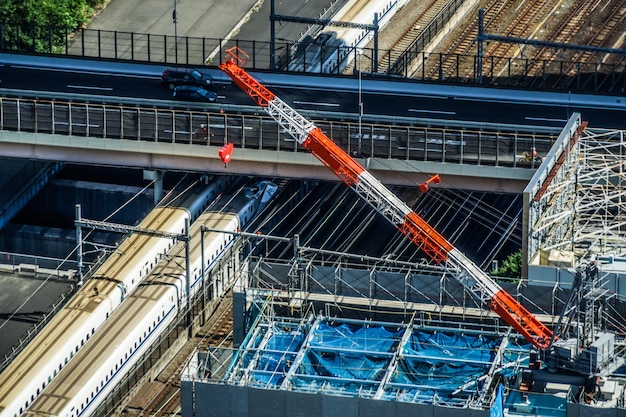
x: 86, y: 87
x: 432, y: 111
x: 430, y: 96
x: 89, y: 72
x: 544, y: 119
x: 312, y: 103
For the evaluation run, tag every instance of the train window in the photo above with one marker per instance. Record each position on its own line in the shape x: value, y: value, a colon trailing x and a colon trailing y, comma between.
x: 60, y: 367
x: 82, y: 342
x: 76, y: 348
x: 43, y: 385
x: 32, y: 398
x: 93, y: 330
x: 37, y: 391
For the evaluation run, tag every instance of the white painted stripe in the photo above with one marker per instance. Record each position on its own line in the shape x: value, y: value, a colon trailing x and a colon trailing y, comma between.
x: 431, y: 111
x: 544, y: 119
x: 312, y: 103
x: 86, y: 87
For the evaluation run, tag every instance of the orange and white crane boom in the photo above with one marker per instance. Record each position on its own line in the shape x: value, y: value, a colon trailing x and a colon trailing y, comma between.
x: 386, y: 203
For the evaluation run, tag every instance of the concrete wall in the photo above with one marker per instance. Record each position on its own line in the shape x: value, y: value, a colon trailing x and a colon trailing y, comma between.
x: 217, y: 400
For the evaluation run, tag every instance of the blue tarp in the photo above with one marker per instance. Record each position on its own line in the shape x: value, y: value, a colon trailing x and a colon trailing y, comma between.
x: 349, y: 352
x: 497, y: 409
x: 352, y: 359
x: 277, y: 356
x: 437, y: 364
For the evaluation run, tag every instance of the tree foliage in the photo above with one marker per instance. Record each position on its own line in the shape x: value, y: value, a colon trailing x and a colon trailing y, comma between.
x: 42, y: 25
x: 511, y: 267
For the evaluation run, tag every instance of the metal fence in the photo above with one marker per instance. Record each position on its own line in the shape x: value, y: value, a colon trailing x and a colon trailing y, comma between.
x: 603, y: 75
x: 420, y: 43
x: 479, y: 146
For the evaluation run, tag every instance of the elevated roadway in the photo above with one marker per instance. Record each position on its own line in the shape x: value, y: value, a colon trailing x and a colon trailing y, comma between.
x: 472, y: 136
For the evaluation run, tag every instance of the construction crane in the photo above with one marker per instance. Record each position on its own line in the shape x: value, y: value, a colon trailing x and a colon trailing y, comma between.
x: 476, y: 281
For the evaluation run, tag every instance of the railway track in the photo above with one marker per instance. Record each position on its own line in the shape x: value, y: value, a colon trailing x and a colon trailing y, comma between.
x: 526, y: 18
x: 531, y: 19
x: 564, y: 33
x: 411, y: 33
x: 612, y: 24
x: 163, y: 395
x: 464, y: 41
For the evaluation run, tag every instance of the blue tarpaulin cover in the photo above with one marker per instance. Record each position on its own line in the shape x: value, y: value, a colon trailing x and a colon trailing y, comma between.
x: 368, y: 360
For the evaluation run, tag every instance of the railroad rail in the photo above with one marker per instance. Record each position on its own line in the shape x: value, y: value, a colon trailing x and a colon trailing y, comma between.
x: 463, y: 43
x: 390, y: 56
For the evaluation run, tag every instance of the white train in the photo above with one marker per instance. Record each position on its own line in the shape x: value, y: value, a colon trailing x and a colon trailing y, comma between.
x: 76, y: 323
x: 86, y: 380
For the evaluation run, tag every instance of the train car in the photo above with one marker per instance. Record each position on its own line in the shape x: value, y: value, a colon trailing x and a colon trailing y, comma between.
x: 136, y: 324
x: 68, y: 331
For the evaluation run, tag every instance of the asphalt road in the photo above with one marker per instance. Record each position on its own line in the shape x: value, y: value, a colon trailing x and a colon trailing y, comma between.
x: 244, y: 19
x: 398, y: 98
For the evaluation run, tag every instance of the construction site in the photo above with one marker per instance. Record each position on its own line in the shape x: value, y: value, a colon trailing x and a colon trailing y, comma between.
x: 320, y: 334
x: 344, y: 297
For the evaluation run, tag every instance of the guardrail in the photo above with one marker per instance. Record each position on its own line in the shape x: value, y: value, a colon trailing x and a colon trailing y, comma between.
x: 595, y: 77
x: 400, y: 67
x: 246, y: 128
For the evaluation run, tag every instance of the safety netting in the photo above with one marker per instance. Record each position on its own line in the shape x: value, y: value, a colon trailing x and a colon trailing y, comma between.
x: 389, y: 361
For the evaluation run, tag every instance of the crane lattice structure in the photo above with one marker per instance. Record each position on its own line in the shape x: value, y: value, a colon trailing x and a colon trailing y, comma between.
x: 476, y: 281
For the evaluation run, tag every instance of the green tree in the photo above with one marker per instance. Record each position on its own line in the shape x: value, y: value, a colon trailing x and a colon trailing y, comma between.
x: 42, y: 25
x: 511, y: 267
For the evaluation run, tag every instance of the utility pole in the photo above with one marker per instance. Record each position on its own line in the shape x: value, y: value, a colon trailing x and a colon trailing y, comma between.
x: 174, y: 19
x: 360, y: 52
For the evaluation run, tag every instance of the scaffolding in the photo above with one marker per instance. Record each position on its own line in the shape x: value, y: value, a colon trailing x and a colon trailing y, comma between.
x: 422, y: 361
x: 579, y: 205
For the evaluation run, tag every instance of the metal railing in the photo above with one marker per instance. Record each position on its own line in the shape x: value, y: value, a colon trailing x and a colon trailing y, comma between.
x: 400, y: 67
x: 606, y: 76
x: 380, y: 139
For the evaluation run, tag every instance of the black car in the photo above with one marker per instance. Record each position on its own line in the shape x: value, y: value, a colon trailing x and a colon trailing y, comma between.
x: 193, y: 93
x: 173, y: 77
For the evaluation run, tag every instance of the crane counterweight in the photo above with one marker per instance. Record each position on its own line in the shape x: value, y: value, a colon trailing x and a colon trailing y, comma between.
x: 409, y: 223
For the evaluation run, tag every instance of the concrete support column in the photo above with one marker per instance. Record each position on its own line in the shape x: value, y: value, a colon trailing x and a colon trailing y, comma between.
x: 155, y: 175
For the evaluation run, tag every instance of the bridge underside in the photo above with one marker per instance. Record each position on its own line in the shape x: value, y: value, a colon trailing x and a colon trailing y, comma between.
x: 204, y: 158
